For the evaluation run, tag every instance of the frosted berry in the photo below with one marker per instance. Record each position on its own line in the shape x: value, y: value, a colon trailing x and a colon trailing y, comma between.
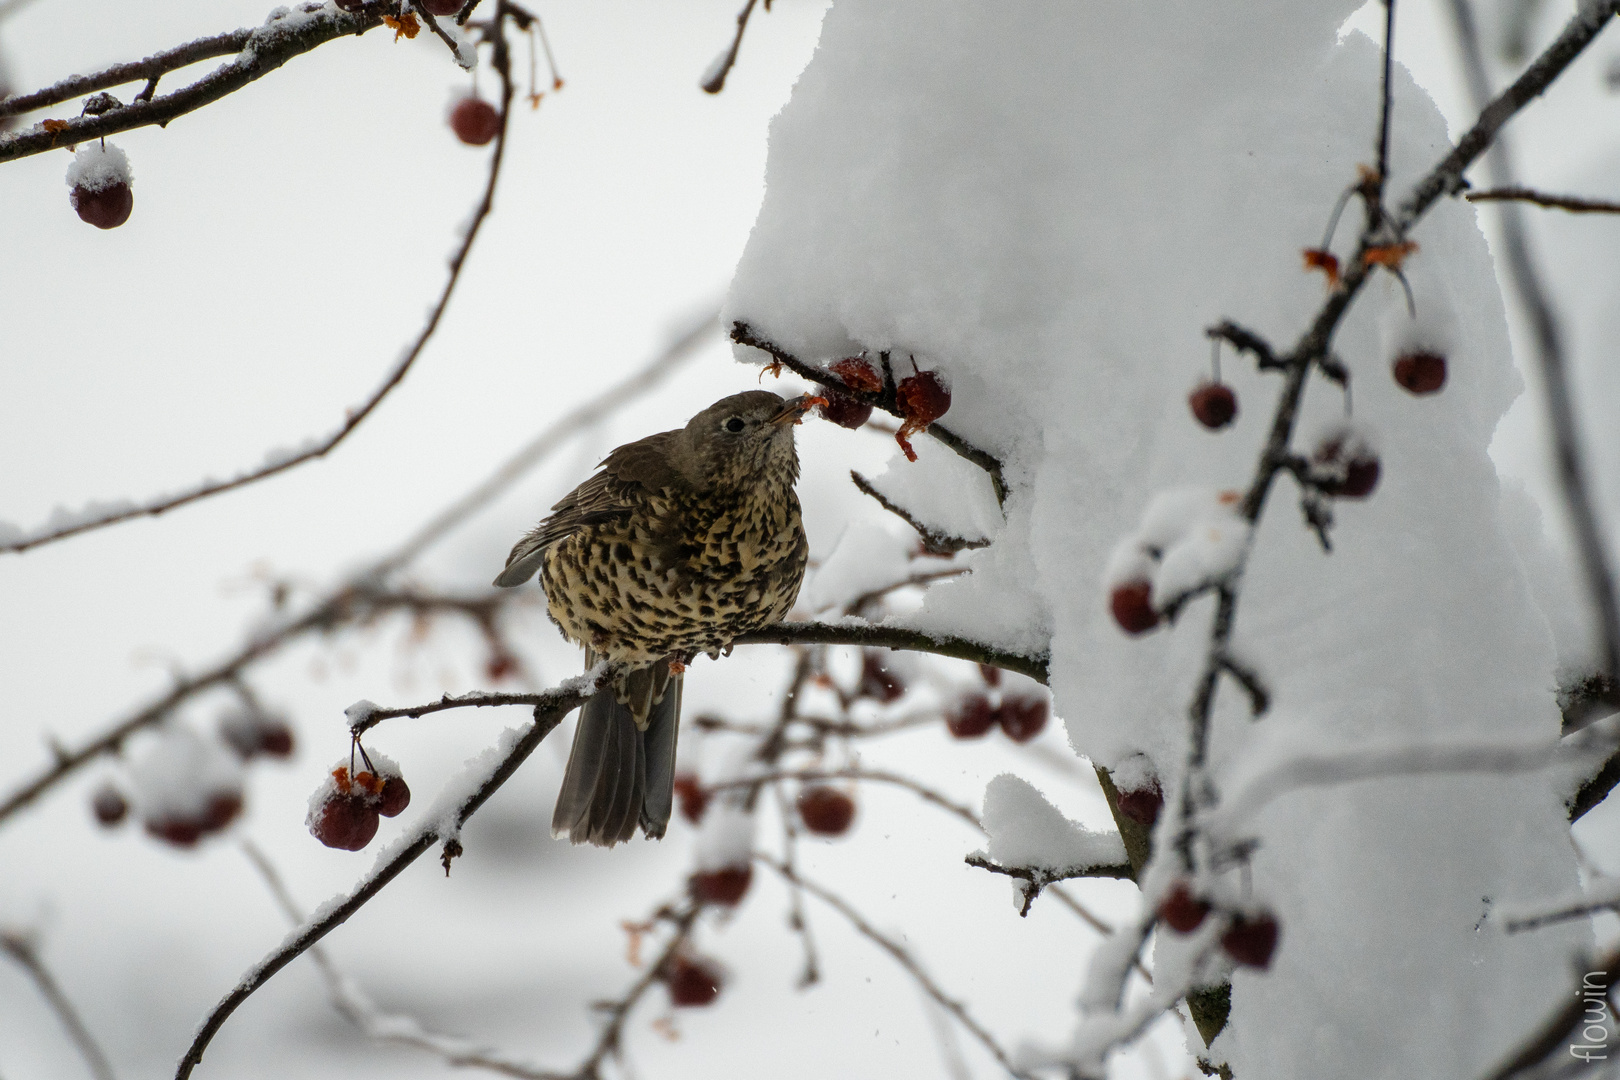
x: 972, y: 717
x: 1251, y: 939
x: 105, y: 208
x: 826, y: 811
x: 222, y: 808
x: 857, y: 374
x: 442, y: 9
x: 694, y: 799
x: 1214, y: 405
x: 1420, y: 372
x: 1181, y: 911
x: 726, y: 885
x: 1351, y: 471
x: 109, y: 805
x: 877, y: 680
x: 923, y: 397
x: 692, y: 981
x: 1142, y: 805
x: 345, y: 821
x: 1132, y: 606
x: 475, y: 121
x: 843, y: 410
x: 1022, y: 718
x: 394, y: 797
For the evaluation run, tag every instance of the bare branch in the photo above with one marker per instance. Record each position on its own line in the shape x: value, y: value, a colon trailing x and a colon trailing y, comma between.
x: 1574, y: 204
x: 559, y: 703
x: 357, y: 415
x: 715, y: 79
x: 901, y: 956
x: 261, y: 50
x: 878, y: 636
x: 20, y: 946
x: 853, y: 772
x: 934, y: 542
x: 1552, y: 1036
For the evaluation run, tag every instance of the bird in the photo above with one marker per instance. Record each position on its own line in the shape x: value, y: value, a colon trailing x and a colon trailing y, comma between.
x: 680, y: 542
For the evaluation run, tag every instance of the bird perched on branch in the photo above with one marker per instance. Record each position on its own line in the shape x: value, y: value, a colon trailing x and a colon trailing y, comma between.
x: 683, y: 540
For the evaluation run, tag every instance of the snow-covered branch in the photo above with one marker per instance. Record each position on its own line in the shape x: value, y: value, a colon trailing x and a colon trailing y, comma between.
x: 883, y: 636
x: 485, y: 776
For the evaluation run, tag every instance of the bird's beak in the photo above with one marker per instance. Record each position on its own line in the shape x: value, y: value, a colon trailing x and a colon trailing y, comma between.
x: 793, y: 411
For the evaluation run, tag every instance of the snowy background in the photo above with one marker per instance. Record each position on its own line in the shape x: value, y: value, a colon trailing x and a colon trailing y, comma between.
x: 1047, y: 208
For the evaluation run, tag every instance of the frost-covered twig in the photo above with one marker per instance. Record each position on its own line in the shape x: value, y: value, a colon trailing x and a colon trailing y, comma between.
x: 1039, y: 877
x: 21, y: 947
x: 934, y: 542
x: 1574, y: 204
x: 714, y: 80
x: 743, y: 334
x: 882, y: 636
x: 1593, y: 983
x: 901, y: 956
x: 366, y: 716
x: 1573, y: 473
x: 444, y: 827
x: 281, y: 462
x: 357, y: 1007
x: 259, y: 51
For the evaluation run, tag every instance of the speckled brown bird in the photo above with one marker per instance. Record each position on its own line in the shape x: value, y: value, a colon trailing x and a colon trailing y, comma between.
x: 682, y: 541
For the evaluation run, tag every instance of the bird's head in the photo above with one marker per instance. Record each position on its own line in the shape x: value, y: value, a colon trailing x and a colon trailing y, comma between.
x: 745, y: 436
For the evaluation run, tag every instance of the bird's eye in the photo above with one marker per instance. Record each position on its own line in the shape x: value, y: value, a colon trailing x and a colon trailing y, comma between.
x: 733, y: 425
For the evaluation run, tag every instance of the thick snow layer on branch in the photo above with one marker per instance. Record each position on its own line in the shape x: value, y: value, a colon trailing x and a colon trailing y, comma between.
x: 1051, y: 202
x: 1027, y: 831
x: 866, y: 557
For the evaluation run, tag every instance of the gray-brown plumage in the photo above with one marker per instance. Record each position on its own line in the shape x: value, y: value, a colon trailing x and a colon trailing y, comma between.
x: 682, y: 541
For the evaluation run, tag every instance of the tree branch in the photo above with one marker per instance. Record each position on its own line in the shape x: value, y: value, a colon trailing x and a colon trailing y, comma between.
x: 714, y: 80
x: 20, y: 947
x: 356, y: 415
x: 261, y: 50
x: 934, y: 541
x: 559, y: 703
x: 1572, y: 203
x: 1551, y: 1037
x: 875, y: 636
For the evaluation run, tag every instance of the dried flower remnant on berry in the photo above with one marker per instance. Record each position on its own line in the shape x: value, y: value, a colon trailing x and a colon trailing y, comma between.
x: 1325, y: 261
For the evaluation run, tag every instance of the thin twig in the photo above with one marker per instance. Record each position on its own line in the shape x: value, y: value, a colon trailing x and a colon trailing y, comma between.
x: 1552, y: 1037
x: 21, y: 948
x: 406, y: 851
x: 934, y: 541
x: 852, y: 772
x: 716, y: 80
x: 355, y: 416
x: 901, y: 956
x: 1574, y: 204
x: 608, y: 1040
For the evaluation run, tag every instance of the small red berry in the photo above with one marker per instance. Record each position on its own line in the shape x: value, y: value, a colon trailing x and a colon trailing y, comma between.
x: 923, y: 397
x: 1022, y: 718
x: 346, y: 821
x: 1251, y: 939
x: 693, y: 796
x: 1351, y: 473
x: 1142, y: 805
x: 692, y: 981
x: 442, y: 8
x: 1420, y: 372
x: 181, y: 832
x: 1181, y: 911
x: 394, y: 797
x: 972, y: 717
x: 826, y: 811
x: 877, y: 680
x: 500, y: 665
x: 857, y: 374
x: 843, y: 410
x: 1213, y: 404
x: 990, y: 674
x: 222, y: 808
x: 475, y: 121
x: 109, y: 805
x: 726, y: 885
x: 1132, y: 606
x: 106, y: 208
x: 276, y: 739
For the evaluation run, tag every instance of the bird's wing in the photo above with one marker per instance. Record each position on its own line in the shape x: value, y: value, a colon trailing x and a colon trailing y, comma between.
x: 626, y: 475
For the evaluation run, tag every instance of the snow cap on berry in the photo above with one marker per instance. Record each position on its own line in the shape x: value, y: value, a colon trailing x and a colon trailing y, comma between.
x: 96, y: 167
